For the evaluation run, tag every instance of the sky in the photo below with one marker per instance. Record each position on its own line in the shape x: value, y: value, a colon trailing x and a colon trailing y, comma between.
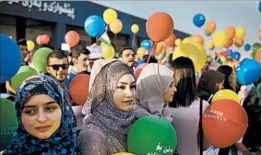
x: 224, y: 13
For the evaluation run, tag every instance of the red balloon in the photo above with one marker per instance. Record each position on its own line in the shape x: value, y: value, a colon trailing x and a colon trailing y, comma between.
x: 45, y: 39
x: 72, y: 38
x: 224, y: 123
x: 78, y: 88
x: 159, y: 26
x: 139, y: 69
x: 39, y: 40
x: 170, y: 42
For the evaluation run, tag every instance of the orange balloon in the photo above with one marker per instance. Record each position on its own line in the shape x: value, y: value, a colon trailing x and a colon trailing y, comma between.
x: 72, y: 38
x: 198, y: 39
x: 224, y: 123
x: 159, y: 48
x: 238, y: 42
x: 45, y: 39
x: 159, y: 26
x: 78, y: 88
x: 258, y: 56
x: 210, y: 27
x: 230, y: 31
x: 229, y: 43
x: 170, y: 42
x: 139, y: 69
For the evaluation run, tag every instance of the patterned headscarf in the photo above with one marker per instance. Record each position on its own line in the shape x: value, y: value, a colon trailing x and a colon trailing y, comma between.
x: 63, y: 141
x: 100, y: 109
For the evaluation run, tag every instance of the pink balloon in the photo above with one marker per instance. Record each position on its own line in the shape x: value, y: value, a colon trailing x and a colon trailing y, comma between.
x: 39, y: 40
x: 45, y: 39
x: 72, y: 38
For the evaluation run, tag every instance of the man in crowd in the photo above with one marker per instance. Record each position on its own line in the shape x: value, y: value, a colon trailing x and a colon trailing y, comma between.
x: 57, y: 66
x: 80, y: 62
x: 127, y: 56
x: 24, y: 51
x: 95, y: 54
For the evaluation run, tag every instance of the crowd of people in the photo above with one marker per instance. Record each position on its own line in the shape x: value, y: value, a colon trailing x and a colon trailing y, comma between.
x: 51, y: 123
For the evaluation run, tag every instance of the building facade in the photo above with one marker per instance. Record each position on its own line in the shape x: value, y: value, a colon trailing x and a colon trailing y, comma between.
x: 28, y: 19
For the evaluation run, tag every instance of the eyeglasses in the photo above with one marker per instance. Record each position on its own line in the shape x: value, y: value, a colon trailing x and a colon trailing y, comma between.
x: 57, y: 67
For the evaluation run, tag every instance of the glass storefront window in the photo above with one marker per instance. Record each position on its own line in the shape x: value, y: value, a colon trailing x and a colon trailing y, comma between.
x: 8, y: 26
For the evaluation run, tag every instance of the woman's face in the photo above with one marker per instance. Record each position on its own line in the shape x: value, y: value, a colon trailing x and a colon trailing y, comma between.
x: 124, y: 95
x: 41, y: 116
x: 169, y: 94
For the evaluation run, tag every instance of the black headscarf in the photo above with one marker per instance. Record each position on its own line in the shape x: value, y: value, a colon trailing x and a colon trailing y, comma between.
x: 207, y: 84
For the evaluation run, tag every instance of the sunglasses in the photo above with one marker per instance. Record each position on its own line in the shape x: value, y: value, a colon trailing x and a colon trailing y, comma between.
x: 57, y: 67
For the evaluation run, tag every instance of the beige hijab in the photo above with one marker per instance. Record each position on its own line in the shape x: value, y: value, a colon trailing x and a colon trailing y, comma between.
x: 152, y: 83
x: 98, y: 64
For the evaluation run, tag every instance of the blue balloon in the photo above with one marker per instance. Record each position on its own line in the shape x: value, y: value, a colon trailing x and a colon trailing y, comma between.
x: 248, y: 71
x: 139, y: 62
x: 237, y: 56
x: 259, y: 6
x: 199, y: 20
x: 146, y: 44
x: 10, y: 58
x: 247, y: 47
x: 95, y: 26
x: 229, y: 52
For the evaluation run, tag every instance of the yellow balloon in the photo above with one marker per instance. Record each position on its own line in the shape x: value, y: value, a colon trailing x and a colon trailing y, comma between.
x: 108, y: 52
x: 30, y: 45
x: 187, y: 40
x: 177, y: 53
x: 134, y: 28
x: 110, y: 15
x: 116, y: 26
x: 141, y: 52
x: 226, y: 94
x: 194, y: 51
x: 210, y: 44
x: 178, y: 42
x: 103, y: 44
x: 220, y: 39
x: 240, y: 32
x: 123, y: 153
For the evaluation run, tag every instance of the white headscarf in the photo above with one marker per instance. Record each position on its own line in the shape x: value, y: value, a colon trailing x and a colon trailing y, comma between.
x: 153, y: 82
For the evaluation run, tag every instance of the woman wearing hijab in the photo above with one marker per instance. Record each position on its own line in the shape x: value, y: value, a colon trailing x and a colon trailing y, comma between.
x: 46, y: 122
x: 230, y: 79
x: 210, y: 82
x: 185, y: 108
x: 155, y: 89
x: 109, y: 111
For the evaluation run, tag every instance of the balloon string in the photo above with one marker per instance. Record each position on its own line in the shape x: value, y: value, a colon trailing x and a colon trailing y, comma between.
x: 106, y: 27
x: 97, y: 40
x: 151, y: 53
x: 115, y: 39
x: 133, y: 42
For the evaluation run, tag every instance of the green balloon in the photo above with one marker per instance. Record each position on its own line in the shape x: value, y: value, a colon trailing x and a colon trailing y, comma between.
x: 152, y: 135
x: 256, y: 47
x: 23, y: 73
x: 253, y: 54
x: 8, y: 122
x: 208, y: 33
x: 40, y: 59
